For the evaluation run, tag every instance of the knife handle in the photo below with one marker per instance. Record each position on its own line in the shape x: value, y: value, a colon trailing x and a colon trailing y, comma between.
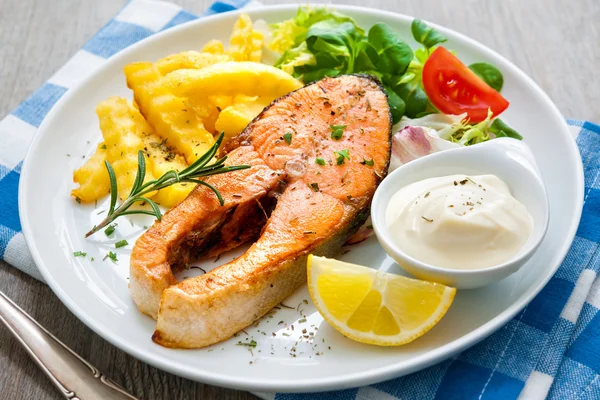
x: 76, y: 378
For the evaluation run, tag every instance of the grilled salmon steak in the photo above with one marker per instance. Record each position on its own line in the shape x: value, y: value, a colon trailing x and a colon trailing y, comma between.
x: 317, y: 156
x: 193, y: 224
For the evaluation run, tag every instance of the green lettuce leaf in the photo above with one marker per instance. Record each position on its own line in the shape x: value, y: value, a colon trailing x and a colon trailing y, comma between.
x: 296, y: 57
x: 292, y: 32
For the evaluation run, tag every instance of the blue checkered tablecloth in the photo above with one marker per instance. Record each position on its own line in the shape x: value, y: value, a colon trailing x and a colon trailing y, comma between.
x: 551, y: 349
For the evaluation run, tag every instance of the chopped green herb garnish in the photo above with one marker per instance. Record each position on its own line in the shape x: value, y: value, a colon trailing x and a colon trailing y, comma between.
x: 337, y: 131
x: 288, y: 138
x: 111, y: 255
x: 341, y: 155
x: 314, y: 186
x: 79, y: 254
x: 121, y: 243
x: 109, y: 230
x: 103, y: 147
x: 92, y: 259
x: 77, y: 199
x: 319, y: 161
x: 286, y: 334
x: 252, y: 343
x: 370, y: 162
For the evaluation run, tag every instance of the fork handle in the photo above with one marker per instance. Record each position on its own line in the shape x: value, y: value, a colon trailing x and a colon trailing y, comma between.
x: 76, y: 378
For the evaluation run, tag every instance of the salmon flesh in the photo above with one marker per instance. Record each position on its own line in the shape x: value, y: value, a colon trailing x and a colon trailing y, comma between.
x: 316, y: 156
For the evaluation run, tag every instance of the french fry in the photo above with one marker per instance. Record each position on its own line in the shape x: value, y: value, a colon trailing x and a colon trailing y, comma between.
x: 214, y: 47
x: 161, y: 158
x: 233, y: 119
x: 189, y: 60
x: 120, y: 147
x: 245, y: 43
x: 221, y: 102
x: 238, y: 91
x: 125, y: 132
x: 92, y: 177
x: 179, y: 103
x: 174, y: 194
x: 170, y: 116
x: 122, y: 140
x: 230, y: 79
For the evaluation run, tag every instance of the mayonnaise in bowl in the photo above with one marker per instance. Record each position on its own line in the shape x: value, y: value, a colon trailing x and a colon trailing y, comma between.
x: 459, y: 222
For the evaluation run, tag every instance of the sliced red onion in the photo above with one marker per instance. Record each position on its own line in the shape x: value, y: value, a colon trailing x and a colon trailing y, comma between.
x: 413, y: 142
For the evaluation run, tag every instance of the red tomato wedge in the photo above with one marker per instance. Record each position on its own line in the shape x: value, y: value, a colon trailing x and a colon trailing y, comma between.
x: 454, y: 89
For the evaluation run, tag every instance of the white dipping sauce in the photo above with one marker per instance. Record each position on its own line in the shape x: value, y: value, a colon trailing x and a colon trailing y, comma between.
x: 459, y: 221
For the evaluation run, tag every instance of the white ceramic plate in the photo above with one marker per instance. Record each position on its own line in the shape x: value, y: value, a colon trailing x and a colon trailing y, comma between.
x: 96, y: 291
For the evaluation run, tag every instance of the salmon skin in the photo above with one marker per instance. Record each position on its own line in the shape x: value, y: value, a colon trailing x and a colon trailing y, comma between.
x: 317, y: 156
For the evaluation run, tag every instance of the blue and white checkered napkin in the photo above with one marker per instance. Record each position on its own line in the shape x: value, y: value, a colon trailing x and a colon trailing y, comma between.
x: 552, y: 348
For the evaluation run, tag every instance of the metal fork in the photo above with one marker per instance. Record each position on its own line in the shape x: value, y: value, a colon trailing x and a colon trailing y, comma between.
x: 74, y: 377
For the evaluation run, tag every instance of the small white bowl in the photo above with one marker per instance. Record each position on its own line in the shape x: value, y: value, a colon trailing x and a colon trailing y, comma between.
x: 510, y: 160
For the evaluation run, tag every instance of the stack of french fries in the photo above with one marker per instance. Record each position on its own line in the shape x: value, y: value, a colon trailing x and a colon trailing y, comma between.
x: 180, y: 103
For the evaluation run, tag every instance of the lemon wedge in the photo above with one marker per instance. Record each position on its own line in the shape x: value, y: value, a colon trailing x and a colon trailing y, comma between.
x: 375, y: 307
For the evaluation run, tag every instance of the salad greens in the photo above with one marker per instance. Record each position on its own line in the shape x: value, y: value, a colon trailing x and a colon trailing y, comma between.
x: 500, y: 129
x: 490, y: 75
x: 410, y: 86
x: 320, y: 42
x: 456, y: 128
x: 426, y: 35
x: 291, y: 33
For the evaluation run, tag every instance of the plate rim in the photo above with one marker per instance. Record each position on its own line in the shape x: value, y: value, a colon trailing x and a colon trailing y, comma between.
x: 303, y: 384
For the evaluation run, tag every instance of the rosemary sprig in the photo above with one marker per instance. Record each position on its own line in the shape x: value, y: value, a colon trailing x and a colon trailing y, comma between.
x: 191, y: 174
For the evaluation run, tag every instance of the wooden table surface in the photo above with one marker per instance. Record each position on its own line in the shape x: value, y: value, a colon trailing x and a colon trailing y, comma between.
x: 556, y: 42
